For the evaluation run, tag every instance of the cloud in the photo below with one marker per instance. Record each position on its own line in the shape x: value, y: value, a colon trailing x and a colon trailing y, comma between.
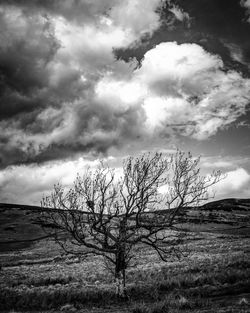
x: 237, y: 182
x: 182, y: 87
x: 137, y: 18
x: 179, y: 14
x: 52, y: 56
x: 82, y: 11
x: 218, y: 164
x: 236, y: 52
x: 129, y: 14
x: 64, y: 92
x: 194, y: 87
x: 246, y: 4
x: 89, y: 101
x: 23, y: 70
x: 24, y: 183
x: 29, y: 183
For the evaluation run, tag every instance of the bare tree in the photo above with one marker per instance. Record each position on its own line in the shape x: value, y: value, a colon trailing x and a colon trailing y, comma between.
x: 106, y: 215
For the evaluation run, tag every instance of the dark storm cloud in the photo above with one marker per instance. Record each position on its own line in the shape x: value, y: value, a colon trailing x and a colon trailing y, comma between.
x: 60, y: 134
x: 52, y: 55
x: 27, y: 45
x: 27, y: 49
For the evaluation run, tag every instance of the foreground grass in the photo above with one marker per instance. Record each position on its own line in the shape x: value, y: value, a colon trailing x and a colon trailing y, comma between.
x: 215, y: 277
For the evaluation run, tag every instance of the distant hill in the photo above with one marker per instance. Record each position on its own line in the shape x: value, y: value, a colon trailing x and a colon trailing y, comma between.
x: 20, y: 224
x: 230, y: 216
x: 230, y: 204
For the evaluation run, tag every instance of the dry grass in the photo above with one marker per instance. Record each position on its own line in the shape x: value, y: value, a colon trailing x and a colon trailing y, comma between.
x: 218, y: 266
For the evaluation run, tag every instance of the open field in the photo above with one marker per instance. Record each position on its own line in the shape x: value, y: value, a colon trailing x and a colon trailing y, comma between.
x: 36, y: 275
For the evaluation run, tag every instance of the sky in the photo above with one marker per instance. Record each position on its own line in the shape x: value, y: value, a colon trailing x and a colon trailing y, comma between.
x: 84, y: 80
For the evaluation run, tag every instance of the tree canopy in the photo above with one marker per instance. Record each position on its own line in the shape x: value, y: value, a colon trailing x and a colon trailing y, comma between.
x: 109, y: 215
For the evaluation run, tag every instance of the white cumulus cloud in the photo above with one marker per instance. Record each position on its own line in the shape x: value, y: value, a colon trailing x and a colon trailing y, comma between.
x: 28, y: 183
x: 182, y: 85
x: 235, y: 182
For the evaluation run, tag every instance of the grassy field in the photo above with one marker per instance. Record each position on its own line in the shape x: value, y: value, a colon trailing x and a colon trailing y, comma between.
x: 38, y: 276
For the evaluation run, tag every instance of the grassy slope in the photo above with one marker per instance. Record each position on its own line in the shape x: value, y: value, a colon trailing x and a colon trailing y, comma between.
x: 215, y: 277
x: 19, y: 224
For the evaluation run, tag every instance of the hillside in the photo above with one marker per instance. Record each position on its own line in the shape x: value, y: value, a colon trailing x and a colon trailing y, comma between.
x: 20, y: 224
x: 37, y: 275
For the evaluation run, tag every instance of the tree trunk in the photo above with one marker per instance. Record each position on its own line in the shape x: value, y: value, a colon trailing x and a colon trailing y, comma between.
x: 120, y: 282
x: 120, y: 275
x: 120, y: 266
